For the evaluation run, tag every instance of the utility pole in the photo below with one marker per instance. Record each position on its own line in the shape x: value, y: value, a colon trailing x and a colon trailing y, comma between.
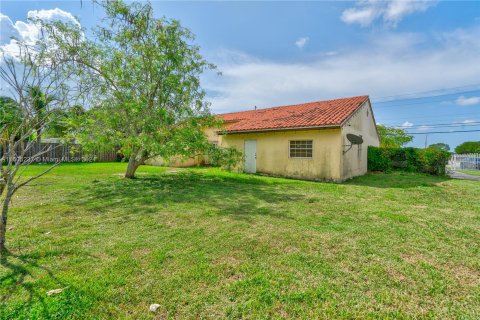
x: 426, y: 139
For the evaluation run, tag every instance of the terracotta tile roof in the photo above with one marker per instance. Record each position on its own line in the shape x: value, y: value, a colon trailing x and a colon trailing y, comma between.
x: 313, y: 114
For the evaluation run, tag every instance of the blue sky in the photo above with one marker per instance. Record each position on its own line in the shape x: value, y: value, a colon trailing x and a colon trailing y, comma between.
x: 418, y: 60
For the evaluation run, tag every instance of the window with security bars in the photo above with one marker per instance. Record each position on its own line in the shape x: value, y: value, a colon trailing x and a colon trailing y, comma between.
x: 301, y: 149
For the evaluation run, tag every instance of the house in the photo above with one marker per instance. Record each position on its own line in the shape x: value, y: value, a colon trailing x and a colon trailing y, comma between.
x: 323, y: 140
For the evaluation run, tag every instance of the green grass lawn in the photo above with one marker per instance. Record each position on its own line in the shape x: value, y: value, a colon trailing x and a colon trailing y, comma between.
x: 471, y: 172
x: 204, y: 243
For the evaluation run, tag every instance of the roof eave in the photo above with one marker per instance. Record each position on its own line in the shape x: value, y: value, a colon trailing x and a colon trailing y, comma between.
x: 279, y: 129
x: 350, y: 116
x: 369, y: 104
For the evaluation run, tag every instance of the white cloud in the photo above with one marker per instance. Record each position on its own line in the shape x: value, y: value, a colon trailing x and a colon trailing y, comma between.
x: 384, y: 65
x: 407, y: 124
x: 329, y: 53
x: 469, y: 121
x: 301, y: 42
x: 53, y: 15
x: 28, y: 31
x: 464, y: 101
x: 363, y: 16
x: 424, y: 128
x: 8, y: 29
x: 391, y: 11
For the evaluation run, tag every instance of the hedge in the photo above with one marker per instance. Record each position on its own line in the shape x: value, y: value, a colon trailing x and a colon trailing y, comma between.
x: 431, y: 161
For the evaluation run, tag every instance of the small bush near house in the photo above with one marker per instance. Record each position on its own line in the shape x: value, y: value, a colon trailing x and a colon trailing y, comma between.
x: 431, y: 160
x: 227, y: 158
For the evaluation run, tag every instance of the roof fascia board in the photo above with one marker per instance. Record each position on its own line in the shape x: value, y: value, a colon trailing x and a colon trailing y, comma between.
x: 354, y: 112
x: 279, y: 129
x: 369, y: 104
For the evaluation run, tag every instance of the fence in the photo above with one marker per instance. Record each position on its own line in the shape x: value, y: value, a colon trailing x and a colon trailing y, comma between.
x: 56, y: 152
x: 465, y: 161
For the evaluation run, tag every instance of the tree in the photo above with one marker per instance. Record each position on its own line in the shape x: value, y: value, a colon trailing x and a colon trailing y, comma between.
x: 9, y: 111
x: 64, y: 122
x: 468, y: 147
x: 393, y: 137
x: 440, y: 146
x: 39, y: 102
x: 31, y: 77
x: 142, y: 75
x: 10, y: 117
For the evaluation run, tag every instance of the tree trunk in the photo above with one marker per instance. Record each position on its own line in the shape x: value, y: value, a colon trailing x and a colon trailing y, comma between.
x: 3, y: 221
x: 2, y: 188
x: 133, y: 165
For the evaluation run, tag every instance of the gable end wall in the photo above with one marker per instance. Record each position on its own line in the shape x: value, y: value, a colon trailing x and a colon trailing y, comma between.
x: 362, y: 122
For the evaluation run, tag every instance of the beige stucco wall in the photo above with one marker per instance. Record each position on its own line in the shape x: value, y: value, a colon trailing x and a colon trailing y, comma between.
x: 273, y: 153
x: 212, y: 137
x: 354, y: 161
x: 176, y: 161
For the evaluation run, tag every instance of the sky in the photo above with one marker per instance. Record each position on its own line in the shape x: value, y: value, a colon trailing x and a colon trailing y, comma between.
x: 419, y: 61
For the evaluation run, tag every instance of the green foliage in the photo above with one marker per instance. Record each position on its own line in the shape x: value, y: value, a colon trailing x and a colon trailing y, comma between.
x: 9, y: 111
x: 39, y: 104
x: 440, y: 145
x: 468, y: 147
x: 64, y: 121
x: 38, y: 100
x: 393, y: 137
x: 431, y: 160
x: 143, y: 79
x: 58, y: 126
x: 10, y: 117
x: 227, y: 158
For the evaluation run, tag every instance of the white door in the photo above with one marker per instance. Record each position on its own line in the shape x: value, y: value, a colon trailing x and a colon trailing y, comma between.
x: 250, y: 156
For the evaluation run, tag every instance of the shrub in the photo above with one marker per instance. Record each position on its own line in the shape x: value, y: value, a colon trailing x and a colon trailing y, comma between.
x: 378, y: 159
x: 431, y: 160
x: 227, y: 158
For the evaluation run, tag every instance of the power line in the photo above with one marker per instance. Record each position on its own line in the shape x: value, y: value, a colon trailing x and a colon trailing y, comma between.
x: 413, y: 119
x: 409, y: 103
x: 437, y: 118
x: 423, y: 92
x: 431, y: 132
x: 469, y: 124
x: 413, y: 102
x: 403, y: 126
x: 408, y: 124
x: 434, y: 127
x: 450, y: 123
